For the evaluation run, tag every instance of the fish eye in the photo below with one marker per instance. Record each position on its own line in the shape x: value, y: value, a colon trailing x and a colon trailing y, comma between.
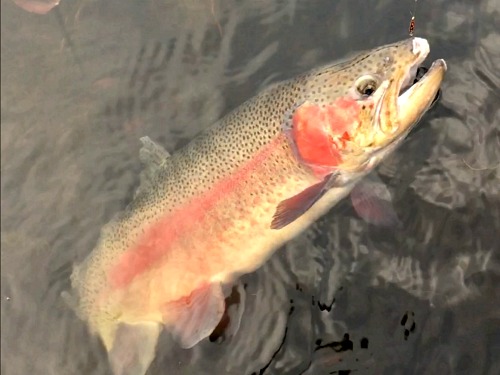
x: 366, y: 85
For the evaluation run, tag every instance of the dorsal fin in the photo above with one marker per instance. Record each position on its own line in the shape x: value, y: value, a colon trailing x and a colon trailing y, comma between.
x: 152, y: 156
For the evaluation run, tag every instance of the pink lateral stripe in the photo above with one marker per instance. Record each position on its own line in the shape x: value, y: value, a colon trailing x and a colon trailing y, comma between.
x: 157, y: 241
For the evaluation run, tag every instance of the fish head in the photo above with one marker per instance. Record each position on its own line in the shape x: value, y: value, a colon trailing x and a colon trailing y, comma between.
x: 353, y: 113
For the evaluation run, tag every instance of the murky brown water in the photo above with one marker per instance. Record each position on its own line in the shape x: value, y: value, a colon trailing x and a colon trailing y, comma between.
x: 82, y: 83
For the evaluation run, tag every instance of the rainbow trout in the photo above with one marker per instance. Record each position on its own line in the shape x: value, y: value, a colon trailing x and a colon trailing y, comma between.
x: 221, y: 206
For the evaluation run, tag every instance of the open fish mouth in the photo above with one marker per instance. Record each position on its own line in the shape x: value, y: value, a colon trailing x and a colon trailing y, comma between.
x: 416, y: 74
x: 403, y: 99
x: 402, y: 102
x: 416, y: 99
x: 421, y: 71
x: 418, y: 90
x: 419, y: 77
x: 416, y: 71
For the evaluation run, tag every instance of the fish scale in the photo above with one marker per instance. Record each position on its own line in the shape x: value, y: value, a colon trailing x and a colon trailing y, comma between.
x: 205, y: 214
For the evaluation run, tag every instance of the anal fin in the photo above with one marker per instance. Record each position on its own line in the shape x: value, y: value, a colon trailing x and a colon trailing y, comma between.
x: 194, y: 317
x: 133, y: 348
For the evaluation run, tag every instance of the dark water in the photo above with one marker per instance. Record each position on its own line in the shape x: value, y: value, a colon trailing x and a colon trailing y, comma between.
x: 81, y: 84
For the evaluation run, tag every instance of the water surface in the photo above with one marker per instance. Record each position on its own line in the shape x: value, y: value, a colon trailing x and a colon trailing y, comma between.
x: 82, y: 83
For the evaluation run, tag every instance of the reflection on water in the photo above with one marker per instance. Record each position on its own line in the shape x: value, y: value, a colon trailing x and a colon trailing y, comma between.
x: 82, y: 83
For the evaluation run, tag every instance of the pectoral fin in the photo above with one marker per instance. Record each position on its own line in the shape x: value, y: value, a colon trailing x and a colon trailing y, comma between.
x: 134, y: 348
x: 193, y: 318
x: 372, y: 201
x: 292, y: 208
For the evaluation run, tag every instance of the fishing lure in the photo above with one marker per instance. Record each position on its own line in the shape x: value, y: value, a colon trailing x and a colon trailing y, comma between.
x: 411, y: 27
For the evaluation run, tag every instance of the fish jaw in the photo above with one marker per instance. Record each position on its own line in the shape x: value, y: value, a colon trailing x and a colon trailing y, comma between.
x: 387, y: 119
x: 415, y: 101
